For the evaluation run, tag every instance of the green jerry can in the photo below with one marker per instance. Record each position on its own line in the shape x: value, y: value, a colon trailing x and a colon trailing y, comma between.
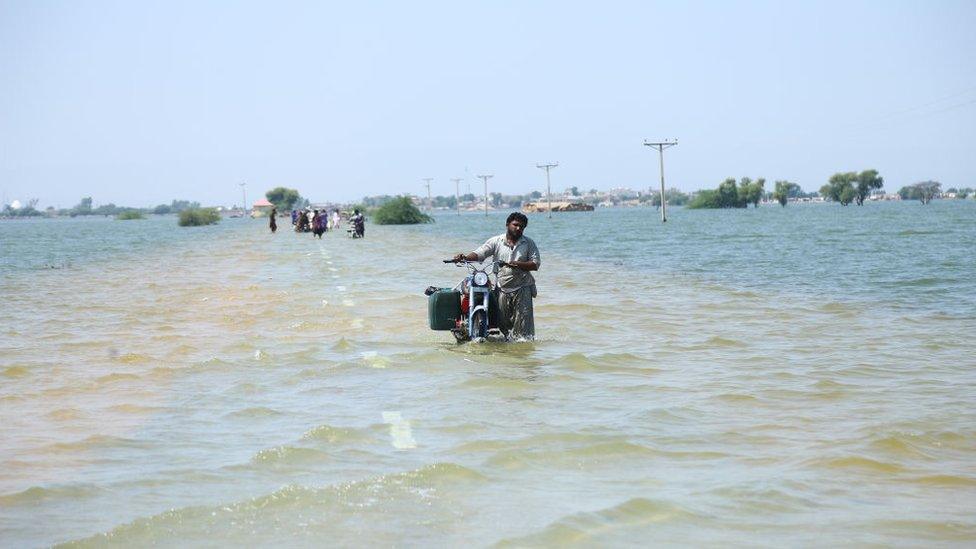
x: 443, y: 308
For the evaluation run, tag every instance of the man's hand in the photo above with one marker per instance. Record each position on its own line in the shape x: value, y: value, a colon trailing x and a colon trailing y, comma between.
x: 459, y: 258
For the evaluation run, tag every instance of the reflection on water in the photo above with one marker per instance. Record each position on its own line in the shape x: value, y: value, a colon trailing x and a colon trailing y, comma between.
x: 727, y: 378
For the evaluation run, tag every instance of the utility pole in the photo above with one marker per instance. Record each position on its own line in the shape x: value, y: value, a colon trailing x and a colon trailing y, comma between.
x: 457, y: 194
x: 660, y: 146
x: 244, y: 205
x: 486, y: 178
x: 429, y: 204
x: 548, y: 167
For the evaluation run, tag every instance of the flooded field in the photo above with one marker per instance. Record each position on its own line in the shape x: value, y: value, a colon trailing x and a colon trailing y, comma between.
x: 793, y: 376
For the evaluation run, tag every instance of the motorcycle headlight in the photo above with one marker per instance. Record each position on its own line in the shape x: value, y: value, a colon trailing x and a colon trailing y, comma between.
x: 480, y: 279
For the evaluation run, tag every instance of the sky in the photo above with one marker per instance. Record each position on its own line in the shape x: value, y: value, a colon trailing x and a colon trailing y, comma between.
x: 140, y: 103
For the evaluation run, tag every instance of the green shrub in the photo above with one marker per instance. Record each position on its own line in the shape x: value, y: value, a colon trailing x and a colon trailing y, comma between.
x: 705, y: 199
x: 130, y: 214
x: 400, y: 211
x: 194, y: 217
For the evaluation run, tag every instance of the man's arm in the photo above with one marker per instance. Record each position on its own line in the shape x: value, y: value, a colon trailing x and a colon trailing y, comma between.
x: 524, y: 265
x: 480, y: 254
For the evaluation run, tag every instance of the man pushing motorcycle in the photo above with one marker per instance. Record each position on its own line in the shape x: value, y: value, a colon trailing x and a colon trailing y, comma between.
x: 517, y: 255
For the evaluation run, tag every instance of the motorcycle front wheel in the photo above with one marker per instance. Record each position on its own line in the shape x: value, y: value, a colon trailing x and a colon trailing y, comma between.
x: 479, y: 325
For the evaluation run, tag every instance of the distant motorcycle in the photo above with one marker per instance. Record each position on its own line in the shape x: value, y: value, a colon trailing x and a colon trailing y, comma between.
x: 470, y: 309
x: 358, y: 229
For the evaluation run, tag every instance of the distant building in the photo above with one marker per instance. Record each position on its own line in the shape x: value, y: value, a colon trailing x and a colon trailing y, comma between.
x: 261, y: 208
x: 562, y: 206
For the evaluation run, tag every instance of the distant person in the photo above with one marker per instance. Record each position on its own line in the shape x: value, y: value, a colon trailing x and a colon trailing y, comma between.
x: 294, y: 218
x: 358, y: 222
x: 273, y: 224
x: 319, y: 223
x: 518, y: 256
x: 336, y: 220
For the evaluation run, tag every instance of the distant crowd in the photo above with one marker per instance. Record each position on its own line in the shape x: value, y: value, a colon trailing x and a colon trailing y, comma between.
x: 318, y: 222
x: 315, y: 221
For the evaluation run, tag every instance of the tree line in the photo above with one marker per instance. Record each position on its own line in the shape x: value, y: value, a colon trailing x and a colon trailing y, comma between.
x: 85, y: 207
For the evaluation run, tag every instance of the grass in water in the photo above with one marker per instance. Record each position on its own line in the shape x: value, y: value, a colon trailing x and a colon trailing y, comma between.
x: 130, y: 214
x: 195, y: 217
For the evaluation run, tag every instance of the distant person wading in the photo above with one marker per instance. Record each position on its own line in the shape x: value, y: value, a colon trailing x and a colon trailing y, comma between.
x: 273, y: 225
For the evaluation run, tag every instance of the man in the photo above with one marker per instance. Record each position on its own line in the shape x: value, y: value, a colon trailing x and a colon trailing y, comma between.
x: 358, y: 221
x: 518, y: 256
x: 318, y: 224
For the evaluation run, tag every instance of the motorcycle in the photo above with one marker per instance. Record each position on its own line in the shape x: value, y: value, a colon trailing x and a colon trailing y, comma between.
x: 470, y: 309
x: 358, y: 229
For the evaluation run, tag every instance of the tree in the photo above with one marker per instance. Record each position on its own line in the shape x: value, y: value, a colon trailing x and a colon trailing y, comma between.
x: 706, y: 199
x: 923, y: 191
x: 178, y: 206
x: 784, y: 191
x: 283, y: 198
x: 400, y: 211
x: 83, y: 208
x: 672, y: 195
x: 574, y: 191
x: 728, y: 194
x: 867, y: 181
x: 840, y: 188
x: 752, y: 192
x: 536, y: 195
x: 847, y: 194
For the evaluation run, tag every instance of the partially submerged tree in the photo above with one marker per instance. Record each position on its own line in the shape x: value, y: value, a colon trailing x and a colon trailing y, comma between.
x: 924, y: 191
x: 82, y: 208
x: 840, y: 188
x: 283, y: 198
x: 847, y: 187
x: 867, y: 181
x: 751, y: 192
x: 731, y: 194
x: 784, y: 191
x: 672, y: 195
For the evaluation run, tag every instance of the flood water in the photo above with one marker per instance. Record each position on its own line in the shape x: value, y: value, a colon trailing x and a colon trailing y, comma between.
x: 790, y: 376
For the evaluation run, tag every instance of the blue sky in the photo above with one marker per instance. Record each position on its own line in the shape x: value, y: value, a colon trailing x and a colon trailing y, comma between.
x: 139, y: 103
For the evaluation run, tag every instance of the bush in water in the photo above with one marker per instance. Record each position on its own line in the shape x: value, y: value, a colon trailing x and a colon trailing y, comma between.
x: 130, y: 214
x: 400, y: 211
x: 195, y: 217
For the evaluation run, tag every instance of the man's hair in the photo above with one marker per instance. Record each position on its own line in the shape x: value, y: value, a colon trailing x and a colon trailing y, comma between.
x: 519, y: 216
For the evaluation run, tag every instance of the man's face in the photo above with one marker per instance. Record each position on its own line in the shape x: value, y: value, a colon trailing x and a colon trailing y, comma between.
x: 515, y: 228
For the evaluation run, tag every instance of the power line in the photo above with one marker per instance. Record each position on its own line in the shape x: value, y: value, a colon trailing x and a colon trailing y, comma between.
x: 660, y: 146
x: 244, y: 206
x: 457, y: 193
x: 548, y: 167
x: 429, y: 205
x: 485, y: 178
